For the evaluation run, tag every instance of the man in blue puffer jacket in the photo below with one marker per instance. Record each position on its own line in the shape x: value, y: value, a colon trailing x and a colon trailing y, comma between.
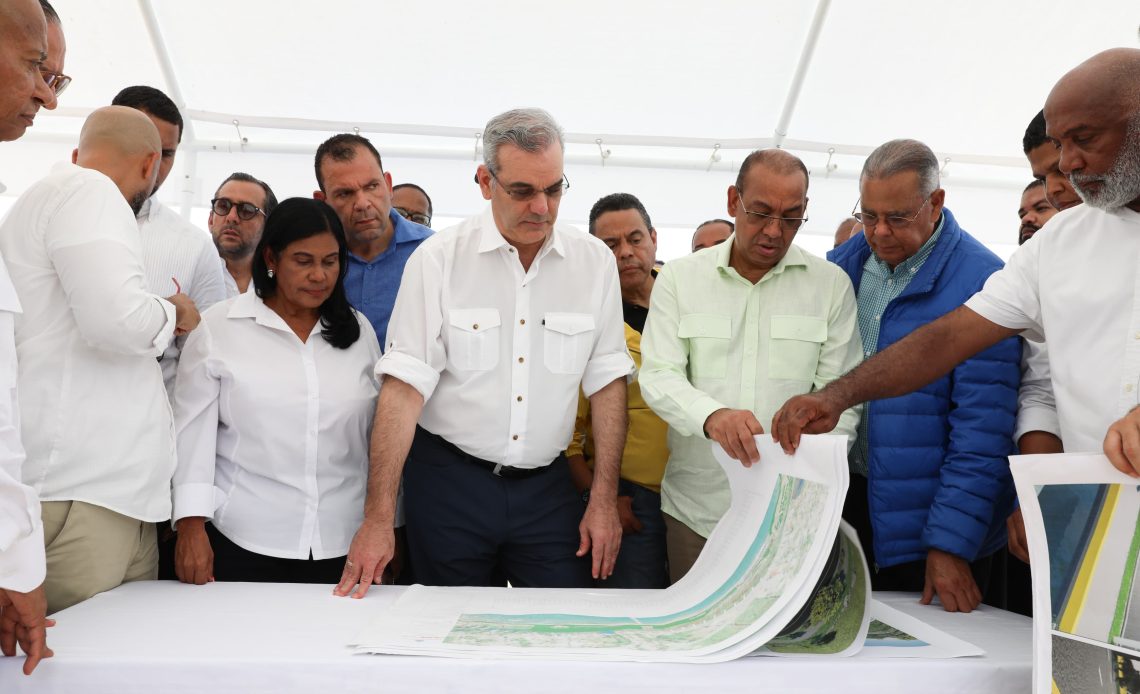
x: 930, y: 484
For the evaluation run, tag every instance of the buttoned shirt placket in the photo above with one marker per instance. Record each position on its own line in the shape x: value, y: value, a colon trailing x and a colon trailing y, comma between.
x: 309, y: 539
x: 520, y: 345
x: 1130, y: 369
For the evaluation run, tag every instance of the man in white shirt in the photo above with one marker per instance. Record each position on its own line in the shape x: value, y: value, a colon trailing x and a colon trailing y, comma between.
x: 497, y: 323
x: 237, y: 217
x: 22, y: 600
x: 96, y: 421
x: 177, y: 256
x: 1078, y: 282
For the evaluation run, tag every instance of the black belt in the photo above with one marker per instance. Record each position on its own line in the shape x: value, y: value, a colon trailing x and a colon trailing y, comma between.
x: 497, y: 469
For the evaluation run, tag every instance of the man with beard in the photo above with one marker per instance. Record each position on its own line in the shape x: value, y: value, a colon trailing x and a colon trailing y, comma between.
x: 734, y: 330
x: 237, y: 217
x: 1077, y: 283
x: 96, y: 427
x: 177, y: 257
x: 622, y: 223
x: 1035, y: 210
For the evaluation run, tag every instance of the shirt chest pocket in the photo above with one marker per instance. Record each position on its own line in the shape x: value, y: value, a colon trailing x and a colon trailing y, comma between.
x: 567, y: 341
x: 709, y: 337
x: 473, y: 338
x: 794, y: 346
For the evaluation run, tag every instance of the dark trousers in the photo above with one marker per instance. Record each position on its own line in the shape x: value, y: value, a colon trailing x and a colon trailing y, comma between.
x: 989, y: 571
x: 234, y: 563
x: 643, y: 560
x: 469, y: 527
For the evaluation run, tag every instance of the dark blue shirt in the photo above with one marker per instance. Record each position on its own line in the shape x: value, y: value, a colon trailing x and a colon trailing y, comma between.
x: 371, y: 286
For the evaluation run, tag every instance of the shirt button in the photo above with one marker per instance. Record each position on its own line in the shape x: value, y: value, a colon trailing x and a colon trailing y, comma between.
x: 515, y: 437
x: 475, y: 327
x: 521, y: 360
x: 866, y: 354
x: 890, y: 281
x: 519, y: 398
x: 878, y: 317
x: 511, y: 250
x: 522, y: 321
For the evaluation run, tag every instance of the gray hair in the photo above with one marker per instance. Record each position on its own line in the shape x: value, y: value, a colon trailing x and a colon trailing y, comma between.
x: 529, y: 129
x: 897, y: 156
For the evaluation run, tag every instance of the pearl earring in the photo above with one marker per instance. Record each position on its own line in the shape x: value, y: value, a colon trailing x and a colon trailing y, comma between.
x: 270, y: 273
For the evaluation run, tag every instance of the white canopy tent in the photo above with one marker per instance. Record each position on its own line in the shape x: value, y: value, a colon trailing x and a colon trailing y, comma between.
x: 661, y: 99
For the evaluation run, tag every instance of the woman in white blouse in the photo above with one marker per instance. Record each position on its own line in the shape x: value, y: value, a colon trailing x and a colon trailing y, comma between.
x: 273, y: 404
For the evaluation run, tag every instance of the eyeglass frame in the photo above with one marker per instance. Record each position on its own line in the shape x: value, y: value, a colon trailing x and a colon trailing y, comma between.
x: 56, y: 81
x: 555, y: 191
x: 235, y: 206
x: 766, y: 219
x: 408, y: 215
x: 899, y: 223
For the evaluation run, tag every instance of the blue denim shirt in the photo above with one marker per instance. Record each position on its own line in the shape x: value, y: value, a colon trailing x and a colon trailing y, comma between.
x: 371, y: 286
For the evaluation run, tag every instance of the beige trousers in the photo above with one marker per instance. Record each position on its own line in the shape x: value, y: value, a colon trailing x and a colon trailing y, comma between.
x: 91, y: 549
x: 683, y: 546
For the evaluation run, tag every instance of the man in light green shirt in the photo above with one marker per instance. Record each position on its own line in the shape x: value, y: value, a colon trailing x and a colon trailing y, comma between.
x: 735, y: 330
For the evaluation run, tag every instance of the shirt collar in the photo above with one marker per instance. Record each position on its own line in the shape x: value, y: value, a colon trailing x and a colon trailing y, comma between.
x: 490, y: 238
x: 912, y: 264
x: 794, y: 257
x: 250, y: 305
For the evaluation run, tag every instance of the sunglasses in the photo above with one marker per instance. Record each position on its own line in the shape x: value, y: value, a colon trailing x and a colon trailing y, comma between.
x: 245, y: 210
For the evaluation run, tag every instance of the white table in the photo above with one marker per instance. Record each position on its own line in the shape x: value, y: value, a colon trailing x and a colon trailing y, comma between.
x: 159, y: 637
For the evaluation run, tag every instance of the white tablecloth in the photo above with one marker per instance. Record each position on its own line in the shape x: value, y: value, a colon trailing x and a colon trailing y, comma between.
x: 156, y: 637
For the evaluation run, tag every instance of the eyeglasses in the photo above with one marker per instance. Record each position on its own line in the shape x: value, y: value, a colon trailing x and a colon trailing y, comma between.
x: 894, y: 221
x: 56, y: 81
x: 245, y: 210
x: 521, y: 192
x: 786, y: 223
x: 416, y: 217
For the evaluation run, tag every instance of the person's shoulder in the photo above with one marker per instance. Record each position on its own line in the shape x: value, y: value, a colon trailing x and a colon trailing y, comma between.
x: 815, y: 265
x: 165, y: 218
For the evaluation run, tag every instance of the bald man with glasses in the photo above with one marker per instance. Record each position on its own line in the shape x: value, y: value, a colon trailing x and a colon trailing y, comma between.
x: 930, y: 485
x: 733, y: 330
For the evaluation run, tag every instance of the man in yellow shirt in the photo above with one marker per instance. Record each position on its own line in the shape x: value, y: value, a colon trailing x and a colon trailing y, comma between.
x: 620, y: 220
x: 734, y: 328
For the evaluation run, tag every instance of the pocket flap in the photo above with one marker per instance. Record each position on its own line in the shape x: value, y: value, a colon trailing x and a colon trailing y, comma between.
x: 705, y: 325
x: 803, y: 328
x: 569, y: 323
x: 473, y: 320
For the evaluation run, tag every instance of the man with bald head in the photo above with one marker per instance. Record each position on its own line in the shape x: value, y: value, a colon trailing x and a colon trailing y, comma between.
x: 96, y: 425
x: 1078, y: 283
x: 22, y: 599
x: 712, y: 233
x: 731, y: 332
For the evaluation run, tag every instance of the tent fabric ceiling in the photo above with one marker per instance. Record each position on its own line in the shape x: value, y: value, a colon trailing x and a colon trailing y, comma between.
x: 656, y: 82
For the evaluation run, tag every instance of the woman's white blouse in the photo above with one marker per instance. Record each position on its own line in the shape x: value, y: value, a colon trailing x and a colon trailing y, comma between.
x: 273, y: 432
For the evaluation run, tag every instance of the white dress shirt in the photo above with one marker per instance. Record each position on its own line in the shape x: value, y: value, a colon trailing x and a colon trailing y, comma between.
x: 174, y: 249
x: 499, y: 353
x: 273, y: 432
x: 21, y: 532
x: 95, y: 419
x: 232, y: 289
x: 1036, y: 407
x: 1077, y: 286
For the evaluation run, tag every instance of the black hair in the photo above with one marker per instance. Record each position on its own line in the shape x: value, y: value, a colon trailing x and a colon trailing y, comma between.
x: 342, y: 148
x: 731, y: 225
x: 152, y: 101
x: 1035, y: 133
x: 616, y: 202
x: 270, y: 198
x: 413, y: 186
x: 300, y: 218
x: 50, y: 14
x: 1034, y: 182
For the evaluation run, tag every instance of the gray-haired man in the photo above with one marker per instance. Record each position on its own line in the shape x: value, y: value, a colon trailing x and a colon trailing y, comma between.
x: 497, y: 324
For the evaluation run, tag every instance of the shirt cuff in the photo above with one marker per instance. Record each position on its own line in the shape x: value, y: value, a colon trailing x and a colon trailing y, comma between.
x: 992, y: 311
x: 166, y: 335
x: 603, y: 370
x: 23, y: 565
x: 192, y: 500
x: 1036, y: 418
x: 698, y: 412
x: 410, y: 370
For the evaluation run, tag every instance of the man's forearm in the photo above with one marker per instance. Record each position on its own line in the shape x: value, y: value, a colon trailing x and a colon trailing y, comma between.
x: 1039, y: 442
x: 608, y: 408
x: 397, y: 410
x: 918, y: 359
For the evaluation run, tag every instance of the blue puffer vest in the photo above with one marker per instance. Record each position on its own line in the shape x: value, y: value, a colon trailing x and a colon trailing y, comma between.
x: 938, y: 473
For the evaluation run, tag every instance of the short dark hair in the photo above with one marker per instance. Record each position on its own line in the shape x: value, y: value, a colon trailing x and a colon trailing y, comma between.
x: 50, y: 14
x: 300, y: 218
x: 1034, y: 182
x: 270, y: 198
x: 342, y: 148
x: 152, y: 101
x: 776, y: 159
x: 413, y: 186
x: 1035, y: 133
x: 616, y: 202
x: 731, y: 225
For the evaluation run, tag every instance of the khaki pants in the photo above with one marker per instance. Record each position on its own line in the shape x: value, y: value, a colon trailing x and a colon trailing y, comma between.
x: 91, y: 549
x: 683, y: 546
